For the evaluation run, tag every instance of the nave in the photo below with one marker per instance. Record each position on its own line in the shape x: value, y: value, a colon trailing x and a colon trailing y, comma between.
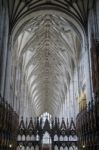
x: 49, y: 74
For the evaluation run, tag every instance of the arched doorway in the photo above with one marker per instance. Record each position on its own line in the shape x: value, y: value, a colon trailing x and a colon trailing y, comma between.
x: 46, y: 141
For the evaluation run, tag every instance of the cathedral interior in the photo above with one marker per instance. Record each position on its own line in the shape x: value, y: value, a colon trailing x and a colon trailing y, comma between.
x: 49, y: 74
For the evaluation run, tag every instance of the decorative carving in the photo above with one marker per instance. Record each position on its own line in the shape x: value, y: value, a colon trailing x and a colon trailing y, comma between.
x: 88, y: 125
x: 8, y: 125
x: 63, y: 134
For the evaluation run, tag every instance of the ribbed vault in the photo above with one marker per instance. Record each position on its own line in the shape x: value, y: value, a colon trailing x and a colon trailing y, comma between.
x: 48, y: 35
x: 49, y: 49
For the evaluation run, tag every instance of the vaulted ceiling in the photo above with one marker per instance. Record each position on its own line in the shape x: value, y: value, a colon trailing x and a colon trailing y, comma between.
x: 77, y: 9
x: 49, y: 46
x: 50, y: 50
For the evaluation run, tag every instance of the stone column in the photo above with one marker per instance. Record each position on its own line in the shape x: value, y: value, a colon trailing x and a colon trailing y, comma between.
x: 4, y: 32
